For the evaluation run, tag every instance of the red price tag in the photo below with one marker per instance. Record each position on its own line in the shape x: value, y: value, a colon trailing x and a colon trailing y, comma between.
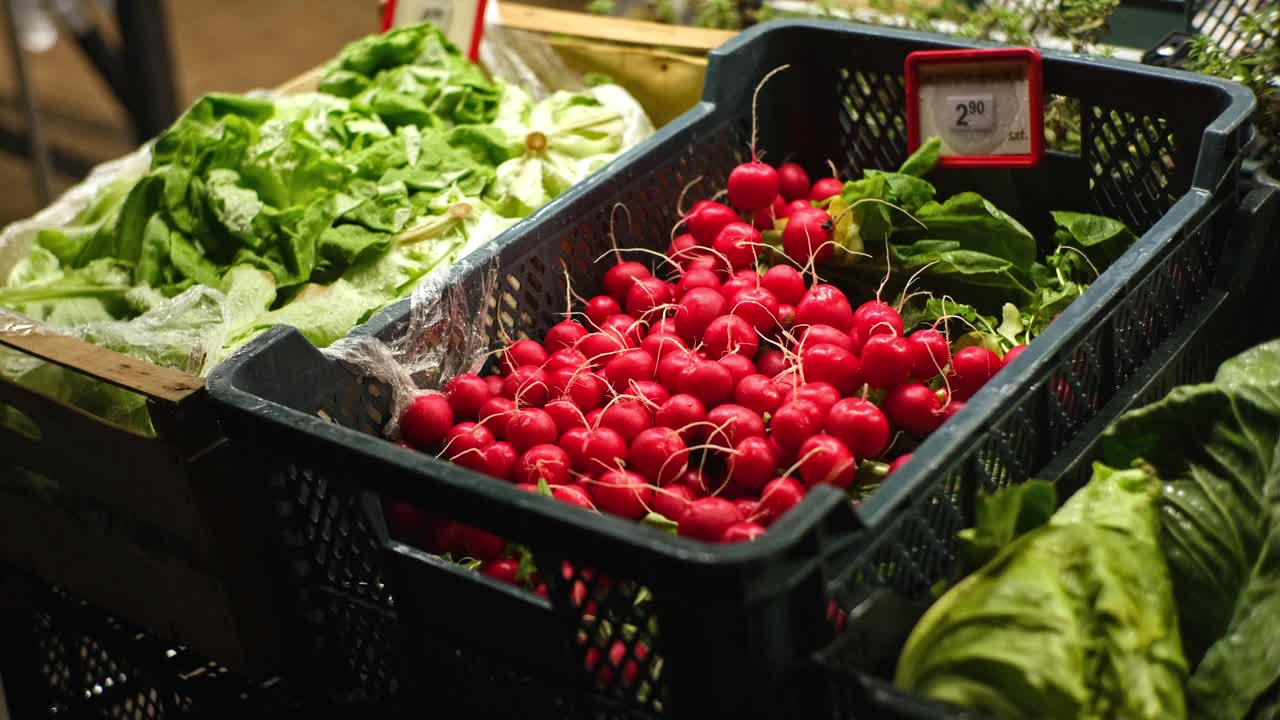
x: 987, y: 105
x: 462, y: 21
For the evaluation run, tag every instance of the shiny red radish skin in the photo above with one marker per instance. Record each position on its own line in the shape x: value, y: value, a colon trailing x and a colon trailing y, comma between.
x: 710, y: 382
x: 930, y: 353
x: 793, y: 182
x: 468, y: 438
x: 825, y: 305
x: 752, y: 185
x: 672, y: 501
x: 822, y: 394
x: 547, y: 462
x: 811, y: 335
x: 684, y: 249
x: 707, y: 519
x: 598, y: 347
x: 877, y: 318
x: 742, y: 532
x: 495, y: 414
x: 466, y: 394
x: 860, y: 425
x: 795, y: 205
x: 971, y: 368
x: 426, y: 421
x: 629, y: 417
x: 887, y: 361
x: 573, y: 495
x: 697, y: 278
x: 785, y: 282
x: 806, y: 236
x: 646, y: 294
x: 897, y: 463
x: 564, y: 414
x: 831, y: 364
x: 824, y: 460
x: 599, y: 308
x: 523, y: 352
x: 527, y: 386
x: 737, y: 243
x: 913, y: 407
x: 771, y: 362
x: 623, y: 493
x: 499, y: 460
x: 1012, y: 354
x: 757, y: 393
x: 629, y: 329
x: 824, y: 188
x: 731, y: 423
x: 619, y: 278
x: 528, y: 427
x: 751, y: 464
x: 503, y: 570
x: 670, y: 366
x: 705, y: 222
x: 730, y: 334
x: 757, y: 306
x: 777, y: 497
x: 683, y: 413
x: 595, y: 450
x: 795, y: 422
x: 482, y: 544
x: 696, y: 310
x: 570, y: 358
x: 627, y: 366
x: 763, y: 218
x: 585, y: 389
x: 651, y: 394
x: 660, y: 455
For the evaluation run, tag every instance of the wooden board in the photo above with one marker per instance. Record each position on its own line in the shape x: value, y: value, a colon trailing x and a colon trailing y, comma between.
x: 620, y: 30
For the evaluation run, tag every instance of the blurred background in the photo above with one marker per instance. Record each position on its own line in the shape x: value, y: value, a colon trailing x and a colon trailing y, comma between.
x: 230, y: 45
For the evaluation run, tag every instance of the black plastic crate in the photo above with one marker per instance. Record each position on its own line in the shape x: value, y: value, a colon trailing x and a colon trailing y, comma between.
x: 61, y: 657
x: 736, y: 625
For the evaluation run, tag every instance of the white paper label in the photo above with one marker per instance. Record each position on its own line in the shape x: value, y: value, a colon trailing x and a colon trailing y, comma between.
x: 976, y: 108
x: 457, y: 18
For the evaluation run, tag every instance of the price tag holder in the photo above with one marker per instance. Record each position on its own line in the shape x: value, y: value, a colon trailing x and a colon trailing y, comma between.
x: 462, y: 21
x: 986, y: 105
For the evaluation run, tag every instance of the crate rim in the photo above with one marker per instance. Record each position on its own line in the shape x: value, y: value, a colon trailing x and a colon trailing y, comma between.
x: 819, y: 503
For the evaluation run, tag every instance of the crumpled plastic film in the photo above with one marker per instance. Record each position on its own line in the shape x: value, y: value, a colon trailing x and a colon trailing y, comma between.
x: 443, y: 336
x: 523, y: 58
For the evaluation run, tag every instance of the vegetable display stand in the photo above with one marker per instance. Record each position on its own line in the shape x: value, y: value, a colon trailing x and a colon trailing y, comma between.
x: 64, y: 658
x: 164, y: 530
x: 700, y: 628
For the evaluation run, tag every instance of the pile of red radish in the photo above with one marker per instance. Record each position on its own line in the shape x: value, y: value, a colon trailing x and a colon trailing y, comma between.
x: 712, y: 391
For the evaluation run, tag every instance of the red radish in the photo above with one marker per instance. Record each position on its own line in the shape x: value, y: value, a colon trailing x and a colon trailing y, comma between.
x: 752, y: 185
x: 742, y: 532
x: 407, y: 521
x: 646, y: 294
x: 877, y: 318
x: 971, y: 368
x: 697, y: 278
x: 729, y: 291
x: 746, y: 506
x: 751, y: 464
x: 739, y: 366
x: 730, y: 334
x: 466, y: 437
x: 930, y: 353
x: 680, y: 413
x: 817, y: 334
x: 623, y: 493
x: 860, y: 425
x: 593, y: 417
x: 531, y: 426
x: 825, y: 188
x: 543, y: 462
x: 629, y: 329
x: 898, y: 463
x: 732, y: 423
x: 627, y: 416
x: 503, y: 570
x: 707, y: 518
x: 705, y: 222
x: 950, y: 409
x: 807, y: 234
x: 708, y: 381
x: 467, y: 392
x: 662, y: 326
x: 700, y: 482
x: 832, y: 364
x: 825, y: 305
x: 527, y: 385
x: 795, y: 205
x: 598, y: 347
x: 913, y: 407
x: 696, y: 310
x: 602, y: 449
x: 584, y: 389
x: 822, y: 394
x: 770, y: 363
x: 444, y: 536
x: 886, y: 361
x: 482, y: 544
x: 793, y: 181
x: 670, y: 365
x: 563, y: 335
x: 763, y: 218
x: 757, y: 306
x: 856, y: 338
x: 565, y: 358
x: 494, y: 415
x: 619, y: 278
x: 825, y: 460
x: 737, y: 242
x: 785, y: 282
x: 426, y: 421
x: 651, y: 393
x: 617, y: 654
x: 499, y: 460
x: 795, y: 422
x: 628, y: 365
x: 672, y: 501
x: 600, y: 307
x: 1012, y: 354
x: 777, y: 497
x: 659, y: 455
x: 683, y: 249
x: 573, y: 495
x: 523, y: 352
x: 495, y: 384
x: 757, y: 393
x: 564, y: 413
